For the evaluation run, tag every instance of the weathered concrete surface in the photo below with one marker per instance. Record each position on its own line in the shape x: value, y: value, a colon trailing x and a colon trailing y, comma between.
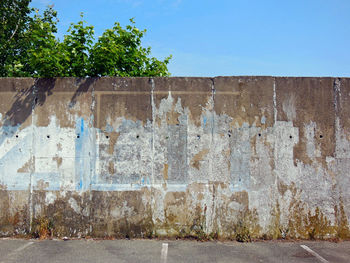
x: 230, y: 157
x: 122, y: 251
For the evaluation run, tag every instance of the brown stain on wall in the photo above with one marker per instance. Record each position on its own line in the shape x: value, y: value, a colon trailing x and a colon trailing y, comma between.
x: 184, y: 213
x: 275, y: 229
x: 128, y: 98
x: 194, y: 93
x: 65, y: 99
x: 242, y: 198
x: 227, y: 154
x: 195, y: 162
x: 121, y: 214
x: 58, y: 160
x: 14, y: 212
x: 245, y: 100
x: 16, y: 101
x: 175, y: 206
x: 343, y: 104
x: 314, y: 102
x: 282, y: 188
x: 61, y: 218
x: 42, y: 185
x: 172, y: 117
x: 113, y: 138
x: 306, y: 223
x: 27, y: 167
x: 111, y: 168
x: 165, y: 172
x: 343, y: 230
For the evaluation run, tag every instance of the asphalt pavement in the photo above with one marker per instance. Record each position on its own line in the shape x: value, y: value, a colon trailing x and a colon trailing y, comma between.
x: 167, y: 251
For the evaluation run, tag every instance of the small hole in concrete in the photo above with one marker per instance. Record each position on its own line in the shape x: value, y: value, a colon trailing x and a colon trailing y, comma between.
x: 290, y: 136
x: 78, y: 136
x: 107, y: 136
x: 16, y: 136
x: 229, y: 135
x: 48, y: 136
x: 259, y: 134
x: 321, y: 136
x: 198, y: 136
x: 137, y: 136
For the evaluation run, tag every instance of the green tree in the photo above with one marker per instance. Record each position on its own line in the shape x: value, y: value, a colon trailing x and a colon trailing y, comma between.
x: 76, y: 49
x: 29, y: 47
x: 14, y: 21
x: 43, y: 56
x: 118, y: 52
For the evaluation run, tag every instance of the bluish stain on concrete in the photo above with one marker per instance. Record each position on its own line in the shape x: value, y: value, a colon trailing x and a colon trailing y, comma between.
x: 177, y: 152
x: 240, y: 152
x: 109, y: 128
x: 14, y: 159
x: 83, y: 150
x: 49, y: 181
x: 7, y: 132
x: 204, y: 120
x: 117, y: 187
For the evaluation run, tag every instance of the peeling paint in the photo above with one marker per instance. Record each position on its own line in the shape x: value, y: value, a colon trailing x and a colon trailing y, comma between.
x: 227, y: 157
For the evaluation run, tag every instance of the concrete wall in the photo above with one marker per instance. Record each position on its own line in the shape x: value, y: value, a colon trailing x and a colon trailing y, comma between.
x: 235, y: 157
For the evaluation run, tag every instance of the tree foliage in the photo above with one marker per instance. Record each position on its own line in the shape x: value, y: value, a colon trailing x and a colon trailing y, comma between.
x: 29, y: 47
x: 14, y: 21
x: 118, y: 52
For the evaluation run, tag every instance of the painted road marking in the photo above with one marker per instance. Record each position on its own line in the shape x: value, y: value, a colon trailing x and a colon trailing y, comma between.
x: 22, y: 247
x: 13, y: 253
x: 314, y: 254
x: 164, y: 253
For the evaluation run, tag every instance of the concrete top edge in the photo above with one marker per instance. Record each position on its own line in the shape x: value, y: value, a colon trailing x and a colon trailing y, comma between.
x: 173, y: 77
x: 145, y: 84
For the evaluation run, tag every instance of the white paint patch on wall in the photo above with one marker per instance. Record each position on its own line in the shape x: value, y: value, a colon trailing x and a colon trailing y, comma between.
x: 289, y: 108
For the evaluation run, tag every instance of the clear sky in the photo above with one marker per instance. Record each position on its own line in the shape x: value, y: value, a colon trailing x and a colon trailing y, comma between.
x: 224, y: 38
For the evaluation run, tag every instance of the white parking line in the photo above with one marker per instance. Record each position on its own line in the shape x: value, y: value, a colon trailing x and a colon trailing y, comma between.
x: 314, y: 254
x: 22, y: 247
x: 13, y: 253
x: 164, y: 253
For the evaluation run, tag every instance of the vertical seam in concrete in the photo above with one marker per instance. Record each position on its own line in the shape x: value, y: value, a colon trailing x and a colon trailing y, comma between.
x: 93, y: 152
x: 209, y: 221
x: 153, y: 128
x: 153, y: 136
x: 337, y: 98
x: 337, y: 94
x: 274, y: 102
x: 274, y: 130
x: 32, y: 169
x: 98, y: 110
x: 213, y: 109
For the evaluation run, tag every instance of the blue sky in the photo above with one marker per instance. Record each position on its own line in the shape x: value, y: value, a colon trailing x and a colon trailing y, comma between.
x: 224, y: 38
